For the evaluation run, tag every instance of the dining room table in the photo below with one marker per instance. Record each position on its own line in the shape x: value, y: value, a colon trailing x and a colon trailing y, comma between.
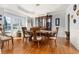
x: 46, y: 32
x: 43, y: 33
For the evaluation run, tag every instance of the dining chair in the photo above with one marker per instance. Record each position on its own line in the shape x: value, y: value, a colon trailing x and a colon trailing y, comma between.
x: 5, y: 38
x: 54, y: 35
x: 26, y: 35
x: 35, y: 37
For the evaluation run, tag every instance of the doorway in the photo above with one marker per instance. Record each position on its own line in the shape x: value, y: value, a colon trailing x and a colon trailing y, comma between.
x: 68, y: 22
x: 68, y: 27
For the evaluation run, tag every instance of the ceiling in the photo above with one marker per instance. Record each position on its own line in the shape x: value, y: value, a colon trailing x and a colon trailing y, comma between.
x: 34, y: 10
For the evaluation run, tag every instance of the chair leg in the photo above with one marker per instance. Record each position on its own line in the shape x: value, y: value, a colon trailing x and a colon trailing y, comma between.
x: 8, y: 43
x: 30, y: 38
x: 55, y: 43
x: 12, y: 41
x: 2, y: 45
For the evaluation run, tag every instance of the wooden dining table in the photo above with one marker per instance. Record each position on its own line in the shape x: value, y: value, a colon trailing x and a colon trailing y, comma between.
x: 46, y: 31
x: 41, y: 32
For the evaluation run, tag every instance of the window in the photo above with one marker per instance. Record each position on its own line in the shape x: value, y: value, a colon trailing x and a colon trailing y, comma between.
x: 7, y: 23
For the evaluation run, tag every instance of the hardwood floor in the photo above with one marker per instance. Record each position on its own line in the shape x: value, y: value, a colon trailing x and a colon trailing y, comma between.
x: 46, y: 47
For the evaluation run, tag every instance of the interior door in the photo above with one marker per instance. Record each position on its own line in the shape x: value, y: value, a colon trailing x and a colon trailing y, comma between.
x: 68, y: 22
x: 68, y: 26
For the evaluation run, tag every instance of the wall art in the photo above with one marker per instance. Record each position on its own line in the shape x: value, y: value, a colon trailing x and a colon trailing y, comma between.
x: 74, y: 7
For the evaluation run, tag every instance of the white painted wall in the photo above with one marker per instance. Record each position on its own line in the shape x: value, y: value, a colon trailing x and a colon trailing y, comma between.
x: 1, y: 11
x: 61, y: 15
x: 74, y: 28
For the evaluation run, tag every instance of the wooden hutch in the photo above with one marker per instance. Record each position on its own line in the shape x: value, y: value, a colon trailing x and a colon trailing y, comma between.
x: 44, y: 22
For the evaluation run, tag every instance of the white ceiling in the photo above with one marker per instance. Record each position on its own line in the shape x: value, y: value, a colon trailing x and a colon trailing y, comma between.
x: 33, y: 10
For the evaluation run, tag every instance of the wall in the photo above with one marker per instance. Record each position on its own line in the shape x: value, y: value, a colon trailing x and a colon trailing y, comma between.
x: 61, y: 15
x: 74, y: 28
x: 1, y: 11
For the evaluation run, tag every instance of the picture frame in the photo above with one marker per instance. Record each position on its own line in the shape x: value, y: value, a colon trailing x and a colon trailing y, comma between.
x: 75, y: 7
x: 74, y: 21
x: 57, y: 22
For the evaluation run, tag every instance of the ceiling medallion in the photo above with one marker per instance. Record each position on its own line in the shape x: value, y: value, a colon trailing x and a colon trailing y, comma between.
x: 37, y: 4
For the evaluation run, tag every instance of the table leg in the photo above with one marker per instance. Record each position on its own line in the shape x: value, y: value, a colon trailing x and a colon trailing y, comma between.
x: 55, y: 43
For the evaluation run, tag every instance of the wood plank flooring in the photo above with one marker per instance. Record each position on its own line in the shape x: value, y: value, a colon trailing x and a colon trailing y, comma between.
x: 46, y: 47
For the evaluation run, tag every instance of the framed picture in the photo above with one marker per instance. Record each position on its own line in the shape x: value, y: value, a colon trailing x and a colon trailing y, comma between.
x: 57, y: 21
x: 0, y: 15
x: 74, y: 21
x: 74, y: 7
